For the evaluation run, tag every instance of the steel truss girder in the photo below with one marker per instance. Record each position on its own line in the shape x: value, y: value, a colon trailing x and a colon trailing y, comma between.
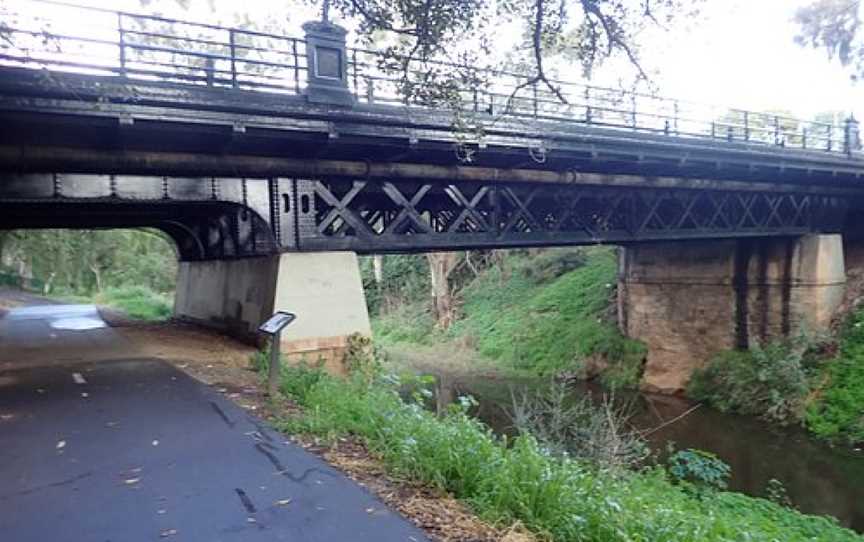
x: 223, y: 218
x: 380, y: 216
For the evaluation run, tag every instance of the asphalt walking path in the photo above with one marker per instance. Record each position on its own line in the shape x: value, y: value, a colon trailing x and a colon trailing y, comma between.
x: 134, y: 449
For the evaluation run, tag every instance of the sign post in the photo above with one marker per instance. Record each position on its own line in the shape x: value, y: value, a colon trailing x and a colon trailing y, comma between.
x: 273, y: 327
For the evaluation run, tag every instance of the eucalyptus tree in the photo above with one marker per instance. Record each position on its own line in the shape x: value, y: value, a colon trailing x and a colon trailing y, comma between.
x: 836, y: 27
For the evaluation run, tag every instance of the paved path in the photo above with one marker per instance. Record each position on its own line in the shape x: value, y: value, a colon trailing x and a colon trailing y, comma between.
x: 133, y: 450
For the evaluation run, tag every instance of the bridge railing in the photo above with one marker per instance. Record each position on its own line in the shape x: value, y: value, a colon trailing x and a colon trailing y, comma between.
x: 59, y: 36
x: 65, y: 37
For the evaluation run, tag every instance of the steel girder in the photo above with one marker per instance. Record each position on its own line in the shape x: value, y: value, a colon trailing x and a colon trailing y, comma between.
x: 221, y: 218
x: 381, y: 216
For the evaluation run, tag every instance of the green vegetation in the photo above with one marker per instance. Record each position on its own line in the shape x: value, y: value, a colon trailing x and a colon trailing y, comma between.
x: 837, y: 409
x: 700, y: 470
x: 507, y: 481
x: 819, y: 384
x: 771, y: 381
x: 137, y: 302
x: 130, y: 270
x: 544, y: 312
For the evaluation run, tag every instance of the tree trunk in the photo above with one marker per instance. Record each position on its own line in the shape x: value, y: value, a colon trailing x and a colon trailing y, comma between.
x: 378, y: 268
x: 98, y: 275
x: 441, y: 264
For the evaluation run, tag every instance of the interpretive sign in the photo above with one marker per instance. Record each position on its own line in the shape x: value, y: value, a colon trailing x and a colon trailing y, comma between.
x: 277, y: 323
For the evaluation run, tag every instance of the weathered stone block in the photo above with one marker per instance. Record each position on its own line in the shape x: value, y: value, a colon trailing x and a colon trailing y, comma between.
x: 688, y: 301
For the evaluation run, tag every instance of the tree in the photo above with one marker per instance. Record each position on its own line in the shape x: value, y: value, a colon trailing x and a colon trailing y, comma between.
x: 835, y: 26
x: 441, y: 266
x: 589, y: 31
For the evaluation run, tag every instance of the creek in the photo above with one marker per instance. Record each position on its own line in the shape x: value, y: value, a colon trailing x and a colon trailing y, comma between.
x: 818, y: 479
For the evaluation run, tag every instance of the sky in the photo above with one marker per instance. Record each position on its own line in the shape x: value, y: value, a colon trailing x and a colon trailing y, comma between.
x: 736, y: 53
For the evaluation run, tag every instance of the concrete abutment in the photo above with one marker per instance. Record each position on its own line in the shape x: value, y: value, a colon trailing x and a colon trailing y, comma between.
x: 690, y: 300
x: 323, y: 289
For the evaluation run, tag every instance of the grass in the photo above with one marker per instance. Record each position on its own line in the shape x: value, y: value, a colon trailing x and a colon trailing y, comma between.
x: 550, y: 322
x: 510, y: 481
x: 542, y: 314
x: 138, y: 302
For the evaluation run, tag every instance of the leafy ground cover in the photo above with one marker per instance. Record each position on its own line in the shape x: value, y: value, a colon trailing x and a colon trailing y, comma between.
x: 518, y: 481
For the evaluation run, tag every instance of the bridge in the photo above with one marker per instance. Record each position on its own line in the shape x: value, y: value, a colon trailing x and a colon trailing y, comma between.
x: 271, y: 161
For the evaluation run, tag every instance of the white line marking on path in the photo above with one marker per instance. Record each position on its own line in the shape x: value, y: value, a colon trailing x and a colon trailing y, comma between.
x: 78, y: 378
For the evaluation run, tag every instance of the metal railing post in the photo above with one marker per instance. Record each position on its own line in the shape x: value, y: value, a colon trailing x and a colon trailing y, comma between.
x: 677, y: 112
x: 851, y: 136
x: 210, y: 71
x: 296, y: 66
x: 776, y: 130
x: 354, y: 78
x: 233, y: 45
x: 121, y: 43
x: 588, y: 112
x: 746, y: 126
x: 534, y: 87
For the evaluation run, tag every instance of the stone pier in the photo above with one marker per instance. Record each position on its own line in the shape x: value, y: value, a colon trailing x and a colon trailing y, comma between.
x: 323, y: 289
x: 689, y: 300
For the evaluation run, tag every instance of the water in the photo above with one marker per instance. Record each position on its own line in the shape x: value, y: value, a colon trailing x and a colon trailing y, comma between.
x: 818, y: 479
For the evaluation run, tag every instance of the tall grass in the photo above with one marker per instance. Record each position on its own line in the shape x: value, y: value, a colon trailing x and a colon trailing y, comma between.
x: 507, y: 481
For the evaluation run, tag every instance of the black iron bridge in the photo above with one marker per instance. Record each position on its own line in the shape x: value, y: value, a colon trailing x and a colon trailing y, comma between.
x: 239, y: 143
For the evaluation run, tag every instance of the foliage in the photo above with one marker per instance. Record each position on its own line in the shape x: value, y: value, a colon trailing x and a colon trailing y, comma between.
x: 837, y: 411
x: 701, y: 470
x: 403, y: 278
x: 138, y: 302
x: 834, y: 25
x: 596, y: 433
x: 518, y: 481
x: 296, y: 378
x: 771, y: 381
x: 776, y: 493
x: 407, y: 323
x: 584, y: 31
x: 552, y: 326
x: 361, y: 358
x: 543, y: 311
x: 85, y: 262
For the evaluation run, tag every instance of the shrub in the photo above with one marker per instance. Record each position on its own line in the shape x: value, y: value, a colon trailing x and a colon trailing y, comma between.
x: 837, y: 412
x: 598, y: 433
x: 771, y: 382
x: 702, y: 470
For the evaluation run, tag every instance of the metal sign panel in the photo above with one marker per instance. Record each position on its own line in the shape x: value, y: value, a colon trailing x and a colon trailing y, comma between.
x: 277, y: 323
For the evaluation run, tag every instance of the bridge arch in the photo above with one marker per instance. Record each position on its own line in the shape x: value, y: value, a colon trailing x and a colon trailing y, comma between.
x: 203, y: 223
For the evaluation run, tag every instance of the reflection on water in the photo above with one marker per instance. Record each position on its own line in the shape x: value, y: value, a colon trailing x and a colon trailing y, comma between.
x: 818, y: 479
